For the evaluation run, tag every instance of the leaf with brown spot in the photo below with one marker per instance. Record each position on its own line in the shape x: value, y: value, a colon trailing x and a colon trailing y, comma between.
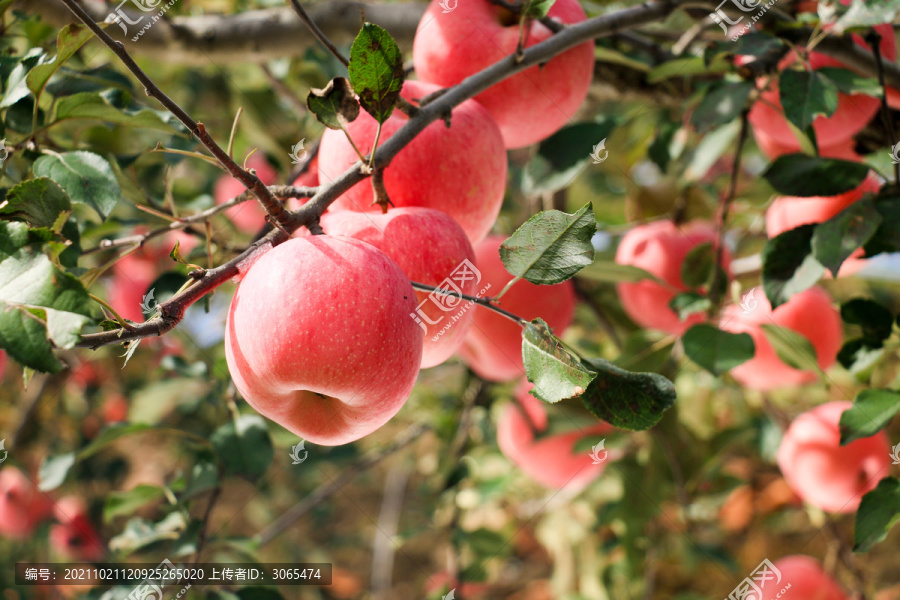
x: 335, y: 105
x: 376, y: 71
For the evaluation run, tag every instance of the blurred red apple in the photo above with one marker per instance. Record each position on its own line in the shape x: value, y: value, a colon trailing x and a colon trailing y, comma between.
x: 115, y: 409
x: 493, y: 346
x: 248, y: 216
x: 75, y: 536
x: 788, y: 212
x: 807, y: 580
x: 22, y: 505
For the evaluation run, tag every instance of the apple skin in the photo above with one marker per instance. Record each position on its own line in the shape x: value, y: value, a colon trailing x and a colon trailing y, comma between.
x: 429, y: 246
x: 22, y: 505
x: 773, y: 149
x: 821, y: 471
x: 248, y: 216
x: 550, y: 460
x: 807, y: 579
x: 529, y: 106
x: 3, y: 362
x: 809, y: 313
x: 319, y: 338
x: 460, y: 170
x: 788, y: 212
x: 493, y: 346
x: 660, y: 248
x: 75, y: 536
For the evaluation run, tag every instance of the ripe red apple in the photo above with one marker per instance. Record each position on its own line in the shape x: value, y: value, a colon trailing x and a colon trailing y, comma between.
x: 115, y: 409
x: 460, y: 170
x: 528, y: 106
x: 431, y: 248
x: 807, y: 580
x: 310, y: 178
x: 788, y: 212
x: 821, y: 471
x: 808, y: 313
x: 550, y: 460
x: 248, y: 216
x: 75, y: 537
x: 660, y: 248
x: 320, y: 339
x: 493, y: 346
x: 22, y: 505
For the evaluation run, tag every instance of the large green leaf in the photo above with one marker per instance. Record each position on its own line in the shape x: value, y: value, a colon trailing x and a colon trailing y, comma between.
x: 85, y: 176
x: 70, y: 39
x: 788, y: 264
x: 715, y: 350
x: 376, y: 71
x: 878, y: 511
x: 551, y: 246
x: 837, y: 238
x: 628, y: 400
x: 556, y: 375
x: 806, y: 95
x: 97, y: 106
x: 807, y: 176
x: 872, y: 410
x: 40, y: 202
x: 35, y: 295
x: 794, y: 349
x: 244, y: 446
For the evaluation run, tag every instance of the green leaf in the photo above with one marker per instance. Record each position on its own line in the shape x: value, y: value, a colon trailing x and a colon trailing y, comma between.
x: 806, y: 95
x: 711, y: 147
x: 867, y: 13
x: 857, y: 357
x: 878, y: 511
x: 30, y: 285
x: 376, y: 71
x: 660, y: 149
x: 70, y: 39
x: 551, y: 247
x: 721, y: 105
x: 54, y: 471
x: 244, y: 446
x: 111, y: 434
x: 788, y: 264
x: 688, y: 67
x: 125, y: 503
x: 849, y: 82
x: 335, y: 105
x: 872, y: 410
x: 537, y: 9
x: 887, y: 237
x: 627, y: 400
x: 555, y: 374
x: 698, y: 265
x: 807, y: 176
x: 612, y: 272
x: 63, y: 327
x: 837, y: 238
x: 86, y: 177
x: 875, y: 320
x: 16, y: 84
x: 39, y: 202
x: 715, y: 350
x: 96, y: 106
x: 563, y: 155
x: 686, y: 304
x: 794, y: 349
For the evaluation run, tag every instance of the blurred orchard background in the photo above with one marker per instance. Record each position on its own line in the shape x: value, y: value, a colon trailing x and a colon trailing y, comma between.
x: 161, y: 458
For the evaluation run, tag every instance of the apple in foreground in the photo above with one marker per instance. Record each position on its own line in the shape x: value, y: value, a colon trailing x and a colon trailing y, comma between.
x: 660, y: 248
x: 550, y: 460
x: 823, y: 473
x: 22, y: 505
x: 528, y: 106
x: 808, y: 313
x: 75, y: 536
x: 431, y: 248
x: 460, y: 170
x: 319, y: 338
x: 493, y: 346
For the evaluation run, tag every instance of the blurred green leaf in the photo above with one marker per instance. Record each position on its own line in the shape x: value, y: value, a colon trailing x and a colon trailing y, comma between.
x: 876, y: 321
x: 697, y: 266
x: 139, y: 532
x: 878, y: 511
x: 537, y: 9
x: 849, y: 82
x: 788, y: 264
x: 806, y: 95
x: 244, y: 446
x: 837, y: 238
x: 563, y: 155
x: 808, y: 176
x: 70, y: 39
x: 872, y: 410
x: 715, y: 350
x: 794, y: 349
x: 54, y: 471
x: 686, y: 304
x: 722, y: 104
x: 611, y: 272
x: 120, y: 503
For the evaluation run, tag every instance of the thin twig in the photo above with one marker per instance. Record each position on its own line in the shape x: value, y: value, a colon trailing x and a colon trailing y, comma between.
x: 874, y: 40
x: 314, y: 29
x: 204, y: 525
x: 284, y: 91
x: 486, y: 302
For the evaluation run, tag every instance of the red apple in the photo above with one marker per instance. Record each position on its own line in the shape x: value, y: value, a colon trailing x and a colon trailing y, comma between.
x: 528, y: 106
x: 549, y: 460
x: 320, y: 339
x: 771, y: 148
x: 115, y: 409
x: 248, y: 216
x: 821, y: 471
x: 22, y: 505
x: 808, y: 313
x: 660, y: 248
x: 493, y: 345
x: 310, y: 178
x: 806, y: 578
x: 75, y: 536
x: 460, y: 170
x: 431, y: 248
x: 2, y: 364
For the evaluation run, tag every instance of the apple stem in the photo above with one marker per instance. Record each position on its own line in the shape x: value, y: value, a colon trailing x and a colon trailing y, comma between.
x: 318, y: 33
